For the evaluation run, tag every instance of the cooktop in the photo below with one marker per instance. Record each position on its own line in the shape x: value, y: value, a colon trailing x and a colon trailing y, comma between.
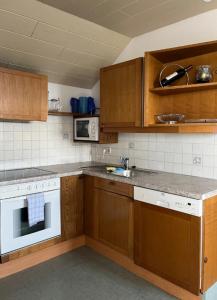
x: 16, y: 174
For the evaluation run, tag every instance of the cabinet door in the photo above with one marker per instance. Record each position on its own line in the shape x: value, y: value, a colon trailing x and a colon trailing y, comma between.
x: 209, y: 262
x: 72, y: 206
x: 168, y: 243
x: 91, y: 215
x: 24, y: 96
x: 121, y: 94
x: 115, y: 221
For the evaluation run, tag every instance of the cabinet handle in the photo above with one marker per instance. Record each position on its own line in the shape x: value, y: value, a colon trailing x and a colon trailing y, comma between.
x: 205, y: 260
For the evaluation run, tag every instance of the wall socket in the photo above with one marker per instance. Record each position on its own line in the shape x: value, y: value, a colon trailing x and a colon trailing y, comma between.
x: 107, y: 151
x: 197, y: 160
x: 66, y: 136
x: 131, y: 145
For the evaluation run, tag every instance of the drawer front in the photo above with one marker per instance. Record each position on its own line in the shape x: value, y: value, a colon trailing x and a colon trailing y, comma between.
x: 114, y: 186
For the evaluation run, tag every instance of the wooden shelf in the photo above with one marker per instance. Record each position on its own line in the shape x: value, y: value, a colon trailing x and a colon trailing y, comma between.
x: 177, y: 89
x: 167, y: 128
x: 60, y: 113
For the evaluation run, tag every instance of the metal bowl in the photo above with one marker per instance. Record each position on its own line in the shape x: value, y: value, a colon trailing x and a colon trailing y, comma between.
x: 169, y: 118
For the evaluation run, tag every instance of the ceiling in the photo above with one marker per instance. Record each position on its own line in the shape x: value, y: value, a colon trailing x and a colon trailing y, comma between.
x: 42, y: 39
x: 133, y: 17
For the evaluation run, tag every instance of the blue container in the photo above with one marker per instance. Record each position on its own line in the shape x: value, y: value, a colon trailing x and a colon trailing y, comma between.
x: 74, y: 105
x: 91, y: 107
x: 83, y: 105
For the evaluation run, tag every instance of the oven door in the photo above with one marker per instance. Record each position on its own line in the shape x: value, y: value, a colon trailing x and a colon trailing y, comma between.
x: 15, y: 230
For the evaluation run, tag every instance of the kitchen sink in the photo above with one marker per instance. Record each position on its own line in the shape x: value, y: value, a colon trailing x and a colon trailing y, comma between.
x: 132, y: 172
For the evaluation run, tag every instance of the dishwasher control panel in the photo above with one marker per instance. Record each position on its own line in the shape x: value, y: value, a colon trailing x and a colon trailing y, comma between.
x: 178, y: 203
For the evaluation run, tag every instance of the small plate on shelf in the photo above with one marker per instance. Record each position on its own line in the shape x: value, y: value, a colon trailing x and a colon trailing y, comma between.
x: 169, y: 118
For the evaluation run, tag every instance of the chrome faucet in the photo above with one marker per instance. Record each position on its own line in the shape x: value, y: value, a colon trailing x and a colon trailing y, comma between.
x: 125, y: 162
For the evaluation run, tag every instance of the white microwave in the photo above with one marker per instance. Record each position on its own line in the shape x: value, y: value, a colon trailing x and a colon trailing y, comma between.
x: 86, y: 129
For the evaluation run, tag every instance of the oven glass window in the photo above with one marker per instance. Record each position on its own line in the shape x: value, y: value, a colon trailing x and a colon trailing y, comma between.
x: 21, y: 224
x: 82, y: 128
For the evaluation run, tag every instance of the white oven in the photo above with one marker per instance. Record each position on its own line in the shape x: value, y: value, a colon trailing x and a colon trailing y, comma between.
x: 15, y: 232
x: 86, y: 129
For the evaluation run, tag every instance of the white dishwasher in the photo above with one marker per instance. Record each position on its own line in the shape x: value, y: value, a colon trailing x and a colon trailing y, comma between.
x: 179, y: 203
x: 167, y: 236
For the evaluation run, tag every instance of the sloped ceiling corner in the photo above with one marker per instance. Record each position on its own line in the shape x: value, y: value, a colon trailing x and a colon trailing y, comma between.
x: 43, y: 39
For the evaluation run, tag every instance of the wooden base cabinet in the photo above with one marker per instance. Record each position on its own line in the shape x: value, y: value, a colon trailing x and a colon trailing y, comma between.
x: 115, y: 221
x: 72, y: 206
x: 91, y: 215
x: 109, y: 215
x: 167, y: 243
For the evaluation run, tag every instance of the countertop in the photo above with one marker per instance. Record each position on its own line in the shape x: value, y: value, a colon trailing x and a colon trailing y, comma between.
x: 182, y: 185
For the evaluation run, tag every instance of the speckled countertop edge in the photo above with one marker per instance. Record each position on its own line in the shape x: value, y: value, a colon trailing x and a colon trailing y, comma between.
x: 198, y: 188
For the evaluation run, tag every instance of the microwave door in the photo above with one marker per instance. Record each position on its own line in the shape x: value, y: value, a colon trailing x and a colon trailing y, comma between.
x: 82, y: 129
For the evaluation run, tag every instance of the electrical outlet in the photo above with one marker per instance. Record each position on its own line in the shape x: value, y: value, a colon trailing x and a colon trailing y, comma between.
x: 65, y: 136
x: 197, y: 160
x: 131, y: 145
x: 107, y: 150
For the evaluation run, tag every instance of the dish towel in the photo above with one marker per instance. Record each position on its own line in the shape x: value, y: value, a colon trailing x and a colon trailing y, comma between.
x: 35, y: 208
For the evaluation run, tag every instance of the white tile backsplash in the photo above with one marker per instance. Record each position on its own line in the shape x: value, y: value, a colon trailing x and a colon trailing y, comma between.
x: 166, y: 152
x: 30, y: 144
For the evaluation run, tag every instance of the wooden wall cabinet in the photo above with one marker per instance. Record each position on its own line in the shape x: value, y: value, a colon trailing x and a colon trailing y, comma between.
x: 24, y: 96
x: 109, y: 215
x: 72, y: 206
x: 168, y: 243
x: 123, y: 111
x: 121, y: 95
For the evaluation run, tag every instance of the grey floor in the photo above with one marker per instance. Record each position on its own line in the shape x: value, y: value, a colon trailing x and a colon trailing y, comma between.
x: 78, y: 275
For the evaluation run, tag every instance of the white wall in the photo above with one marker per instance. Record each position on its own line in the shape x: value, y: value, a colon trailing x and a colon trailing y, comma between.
x: 201, y: 28
x: 65, y: 93
x: 29, y: 144
x: 168, y: 152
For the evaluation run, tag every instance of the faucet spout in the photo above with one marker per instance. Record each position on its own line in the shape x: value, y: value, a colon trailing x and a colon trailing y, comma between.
x: 125, y: 161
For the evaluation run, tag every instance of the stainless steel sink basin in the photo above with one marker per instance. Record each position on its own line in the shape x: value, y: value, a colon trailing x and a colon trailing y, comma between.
x: 132, y: 171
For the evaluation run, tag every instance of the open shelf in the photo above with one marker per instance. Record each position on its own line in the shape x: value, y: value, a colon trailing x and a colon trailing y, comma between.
x: 195, y: 101
x: 177, y: 89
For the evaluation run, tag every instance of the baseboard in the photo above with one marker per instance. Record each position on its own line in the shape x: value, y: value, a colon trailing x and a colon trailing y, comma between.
x: 40, y: 256
x: 129, y: 265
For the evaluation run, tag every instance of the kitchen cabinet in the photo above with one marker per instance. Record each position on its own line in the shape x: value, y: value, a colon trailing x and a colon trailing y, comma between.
x: 72, y: 206
x: 115, y: 221
x: 121, y: 95
x: 24, y: 96
x: 109, y: 213
x: 209, y: 255
x: 167, y: 243
x: 91, y: 215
